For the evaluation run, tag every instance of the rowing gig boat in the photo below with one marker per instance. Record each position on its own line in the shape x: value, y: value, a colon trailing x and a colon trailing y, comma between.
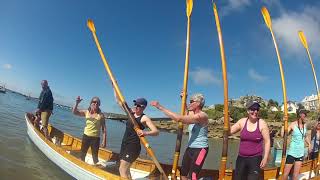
x: 64, y: 151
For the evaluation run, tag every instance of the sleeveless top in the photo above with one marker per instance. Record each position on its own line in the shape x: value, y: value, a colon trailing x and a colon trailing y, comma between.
x: 198, y: 136
x: 130, y: 135
x: 296, y: 148
x: 93, y: 124
x: 251, y: 143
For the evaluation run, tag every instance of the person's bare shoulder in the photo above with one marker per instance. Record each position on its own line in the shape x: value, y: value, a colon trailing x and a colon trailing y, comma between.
x: 263, y: 124
x: 145, y: 118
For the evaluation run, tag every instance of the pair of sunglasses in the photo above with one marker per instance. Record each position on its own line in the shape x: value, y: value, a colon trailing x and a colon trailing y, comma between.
x: 254, y: 109
x: 95, y: 102
x: 138, y: 105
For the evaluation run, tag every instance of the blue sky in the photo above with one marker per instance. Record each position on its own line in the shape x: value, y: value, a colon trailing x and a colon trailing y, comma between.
x: 144, y: 42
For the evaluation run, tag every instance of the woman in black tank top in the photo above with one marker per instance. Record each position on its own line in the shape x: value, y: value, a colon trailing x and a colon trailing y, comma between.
x: 130, y: 146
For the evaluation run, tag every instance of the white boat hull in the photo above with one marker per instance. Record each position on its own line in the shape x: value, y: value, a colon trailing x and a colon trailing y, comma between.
x: 68, y: 166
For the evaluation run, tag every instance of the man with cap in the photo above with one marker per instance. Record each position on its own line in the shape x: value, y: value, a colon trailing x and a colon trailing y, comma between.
x: 254, y: 142
x: 45, y: 106
x: 130, y: 146
x: 299, y: 136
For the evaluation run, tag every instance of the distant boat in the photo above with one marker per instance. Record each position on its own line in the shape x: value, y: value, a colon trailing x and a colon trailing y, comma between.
x: 28, y: 97
x: 2, y: 89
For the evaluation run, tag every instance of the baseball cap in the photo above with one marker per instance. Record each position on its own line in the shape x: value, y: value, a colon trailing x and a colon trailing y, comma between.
x: 141, y: 101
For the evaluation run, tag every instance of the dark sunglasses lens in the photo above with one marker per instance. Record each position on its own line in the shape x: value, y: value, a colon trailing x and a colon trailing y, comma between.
x: 95, y: 102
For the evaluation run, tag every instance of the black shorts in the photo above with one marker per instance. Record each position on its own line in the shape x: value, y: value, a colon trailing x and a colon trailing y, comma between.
x: 248, y: 168
x: 313, y: 155
x: 290, y: 159
x: 192, y: 162
x: 130, y: 152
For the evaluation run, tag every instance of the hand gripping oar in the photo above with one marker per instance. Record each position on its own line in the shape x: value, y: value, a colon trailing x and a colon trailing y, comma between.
x: 124, y: 104
x: 267, y: 19
x: 226, y: 123
x: 305, y: 45
x: 189, y: 4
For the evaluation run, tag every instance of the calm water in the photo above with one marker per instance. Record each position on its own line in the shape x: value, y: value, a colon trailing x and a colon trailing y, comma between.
x: 20, y: 158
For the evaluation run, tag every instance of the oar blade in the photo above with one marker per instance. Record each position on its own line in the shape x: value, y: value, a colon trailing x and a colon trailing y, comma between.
x: 266, y: 17
x: 189, y: 7
x: 303, y: 39
x: 90, y: 25
x: 214, y: 6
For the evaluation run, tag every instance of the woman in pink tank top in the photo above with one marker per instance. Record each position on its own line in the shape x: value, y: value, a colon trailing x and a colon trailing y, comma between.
x: 254, y: 140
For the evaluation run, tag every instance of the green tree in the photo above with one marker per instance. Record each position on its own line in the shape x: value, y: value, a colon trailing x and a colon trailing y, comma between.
x: 272, y: 102
x: 237, y: 113
x: 219, y: 107
x: 263, y: 113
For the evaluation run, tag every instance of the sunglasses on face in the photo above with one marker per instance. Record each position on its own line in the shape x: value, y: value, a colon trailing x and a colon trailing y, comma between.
x: 94, y: 102
x: 138, y: 105
x: 192, y: 101
x: 254, y: 109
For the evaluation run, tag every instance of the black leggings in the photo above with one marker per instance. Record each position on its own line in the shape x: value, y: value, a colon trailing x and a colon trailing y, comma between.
x: 248, y: 168
x: 93, y: 142
x: 192, y: 162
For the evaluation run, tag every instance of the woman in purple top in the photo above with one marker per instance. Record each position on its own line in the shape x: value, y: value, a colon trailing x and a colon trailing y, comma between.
x: 254, y: 134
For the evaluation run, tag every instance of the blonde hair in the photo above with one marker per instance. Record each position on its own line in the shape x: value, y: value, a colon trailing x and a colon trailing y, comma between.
x: 198, y: 98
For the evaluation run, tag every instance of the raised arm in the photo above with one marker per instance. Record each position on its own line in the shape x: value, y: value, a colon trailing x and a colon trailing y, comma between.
x: 266, y: 140
x: 75, y: 110
x: 191, y: 118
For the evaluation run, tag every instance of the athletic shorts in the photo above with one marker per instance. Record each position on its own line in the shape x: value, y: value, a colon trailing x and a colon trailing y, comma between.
x: 290, y: 159
x: 192, y: 162
x: 313, y: 155
x: 45, y: 115
x: 130, y: 152
x: 248, y: 168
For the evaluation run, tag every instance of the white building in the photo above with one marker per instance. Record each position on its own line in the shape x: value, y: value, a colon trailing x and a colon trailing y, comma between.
x: 274, y: 109
x: 310, y: 102
x: 292, y: 107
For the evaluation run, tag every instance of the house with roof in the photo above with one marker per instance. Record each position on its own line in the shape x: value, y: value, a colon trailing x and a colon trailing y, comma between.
x: 292, y: 107
x: 310, y: 102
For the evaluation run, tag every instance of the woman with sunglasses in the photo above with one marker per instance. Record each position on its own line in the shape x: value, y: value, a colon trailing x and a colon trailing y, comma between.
x: 197, y: 150
x: 295, y: 153
x: 130, y: 146
x: 315, y: 138
x: 254, y: 142
x: 95, y: 121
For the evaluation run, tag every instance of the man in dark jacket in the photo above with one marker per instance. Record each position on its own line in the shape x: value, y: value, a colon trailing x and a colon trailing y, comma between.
x: 45, y: 106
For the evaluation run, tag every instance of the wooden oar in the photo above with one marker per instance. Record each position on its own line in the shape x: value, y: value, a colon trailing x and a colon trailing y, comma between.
x: 124, y: 104
x: 226, y: 126
x: 267, y: 19
x: 189, y: 4
x: 304, y: 42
